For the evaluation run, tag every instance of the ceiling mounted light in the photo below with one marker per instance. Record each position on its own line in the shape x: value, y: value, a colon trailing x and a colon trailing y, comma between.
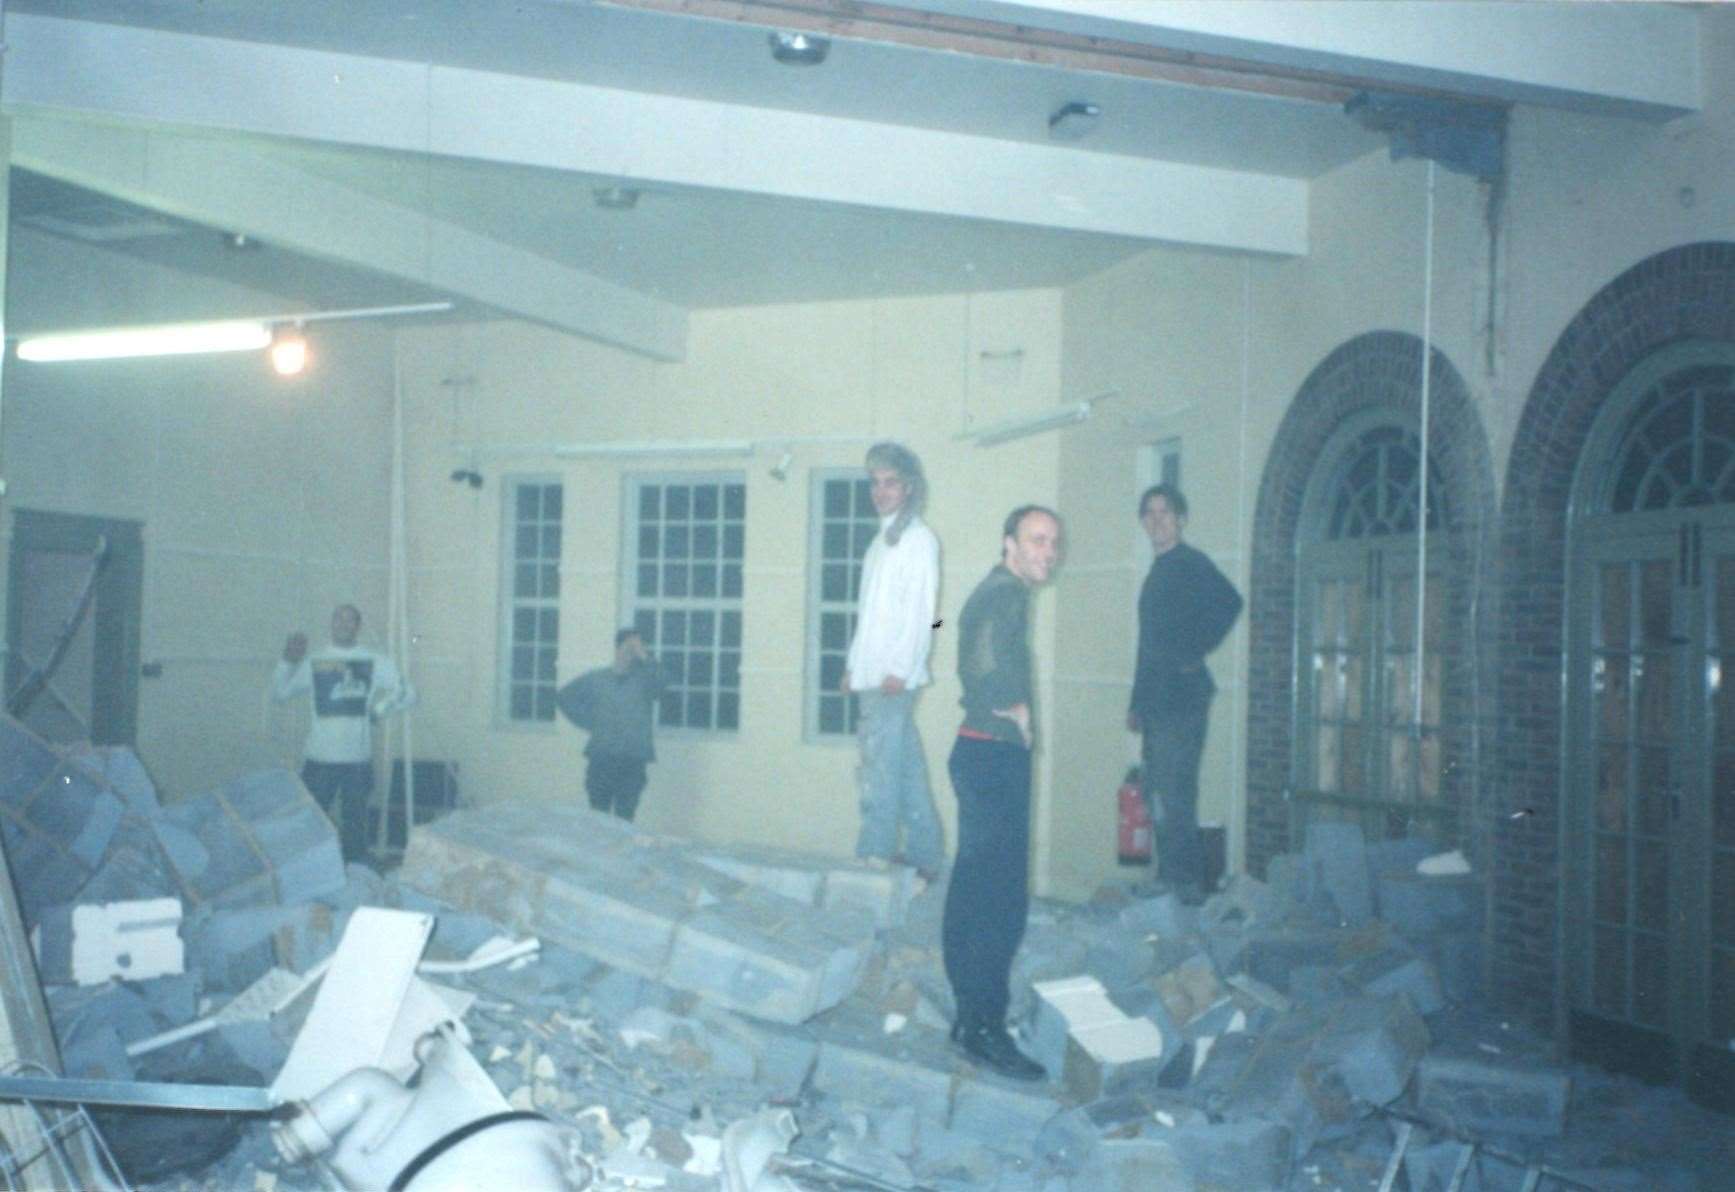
x: 239, y: 241
x: 174, y: 339
x: 183, y: 339
x: 1073, y: 121
x: 799, y: 49
x: 615, y: 198
x: 289, y: 351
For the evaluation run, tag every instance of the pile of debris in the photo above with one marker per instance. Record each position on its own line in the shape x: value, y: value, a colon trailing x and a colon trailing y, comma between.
x: 695, y: 1017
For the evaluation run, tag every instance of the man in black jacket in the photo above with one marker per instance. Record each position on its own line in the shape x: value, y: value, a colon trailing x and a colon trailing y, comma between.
x: 988, y: 897
x: 615, y: 704
x: 1186, y: 608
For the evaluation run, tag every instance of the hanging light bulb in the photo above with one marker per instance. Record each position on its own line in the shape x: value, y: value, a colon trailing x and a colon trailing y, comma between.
x: 289, y: 351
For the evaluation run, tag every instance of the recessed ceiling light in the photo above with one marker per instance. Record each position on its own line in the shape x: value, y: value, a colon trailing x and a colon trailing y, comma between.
x: 615, y: 198
x: 799, y: 49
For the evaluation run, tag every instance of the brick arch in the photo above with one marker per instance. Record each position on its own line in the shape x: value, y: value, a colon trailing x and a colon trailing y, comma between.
x: 1374, y: 372
x: 1683, y: 293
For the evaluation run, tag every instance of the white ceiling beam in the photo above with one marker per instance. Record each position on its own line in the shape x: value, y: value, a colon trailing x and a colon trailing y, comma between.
x: 1631, y: 59
x: 240, y: 187
x: 114, y: 72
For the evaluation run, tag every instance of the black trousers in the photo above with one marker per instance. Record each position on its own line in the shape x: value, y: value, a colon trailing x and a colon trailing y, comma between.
x: 614, y: 782
x: 989, y: 895
x: 341, y: 789
x: 1172, y: 748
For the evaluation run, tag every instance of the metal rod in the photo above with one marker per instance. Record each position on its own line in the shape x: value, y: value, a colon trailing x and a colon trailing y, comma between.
x: 221, y: 1098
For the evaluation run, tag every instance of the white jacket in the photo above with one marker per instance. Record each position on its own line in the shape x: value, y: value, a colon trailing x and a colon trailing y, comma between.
x: 900, y: 589
x: 351, y: 687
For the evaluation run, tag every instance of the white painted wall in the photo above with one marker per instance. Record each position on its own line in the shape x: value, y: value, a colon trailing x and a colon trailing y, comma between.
x: 263, y: 501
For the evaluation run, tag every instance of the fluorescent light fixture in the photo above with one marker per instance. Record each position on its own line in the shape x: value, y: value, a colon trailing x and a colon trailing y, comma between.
x: 172, y: 339
x: 1031, y: 424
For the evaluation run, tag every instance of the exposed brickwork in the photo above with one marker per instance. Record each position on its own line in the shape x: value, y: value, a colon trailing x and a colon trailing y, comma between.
x: 1379, y: 371
x: 1684, y: 293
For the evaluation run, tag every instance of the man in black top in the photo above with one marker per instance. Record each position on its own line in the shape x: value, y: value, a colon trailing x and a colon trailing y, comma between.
x: 989, y: 897
x: 1186, y: 608
x: 615, y: 703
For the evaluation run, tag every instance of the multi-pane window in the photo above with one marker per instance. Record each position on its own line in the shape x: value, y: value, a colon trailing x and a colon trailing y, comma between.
x: 843, y: 524
x: 1370, y: 706
x: 532, y: 605
x: 687, y: 539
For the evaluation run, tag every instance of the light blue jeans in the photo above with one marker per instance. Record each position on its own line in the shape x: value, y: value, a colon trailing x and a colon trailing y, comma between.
x: 894, y: 784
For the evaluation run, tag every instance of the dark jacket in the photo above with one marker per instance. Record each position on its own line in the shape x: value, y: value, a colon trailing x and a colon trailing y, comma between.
x: 1186, y: 609
x: 616, y: 708
x: 994, y: 654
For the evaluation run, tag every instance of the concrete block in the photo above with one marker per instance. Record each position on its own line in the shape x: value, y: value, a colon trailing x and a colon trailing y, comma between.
x: 1137, y: 1165
x: 259, y: 840
x: 1217, y: 1076
x: 1001, y: 1109
x: 1417, y: 906
x: 1110, y: 1057
x: 1165, y: 916
x: 231, y: 949
x: 857, y: 1062
x: 1396, y: 971
x: 881, y: 892
x: 1245, y: 900
x: 1373, y: 1045
x: 753, y: 955
x: 1273, y: 955
x: 1256, y: 993
x: 118, y: 768
x: 1475, y: 1096
x: 1250, y: 1155
x: 1318, y: 985
x: 573, y: 877
x: 1116, y: 965
x: 1337, y: 853
x: 1458, y: 959
x: 1281, y: 1082
x: 1189, y: 989
x: 1430, y: 1168
x: 171, y: 999
x: 1397, y: 856
x: 1292, y: 877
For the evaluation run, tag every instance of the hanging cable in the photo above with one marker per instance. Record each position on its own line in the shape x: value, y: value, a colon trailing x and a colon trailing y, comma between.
x: 1419, y: 663
x: 398, y: 634
x: 1243, y: 545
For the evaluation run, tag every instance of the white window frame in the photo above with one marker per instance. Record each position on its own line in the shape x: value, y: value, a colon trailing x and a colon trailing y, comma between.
x: 545, y: 607
x: 817, y: 688
x: 635, y: 609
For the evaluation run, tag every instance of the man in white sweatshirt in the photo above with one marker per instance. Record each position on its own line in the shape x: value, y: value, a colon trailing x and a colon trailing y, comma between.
x: 350, y: 687
x: 888, y: 663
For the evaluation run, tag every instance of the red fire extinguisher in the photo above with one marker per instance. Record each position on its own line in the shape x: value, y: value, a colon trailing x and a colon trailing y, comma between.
x: 1134, y: 830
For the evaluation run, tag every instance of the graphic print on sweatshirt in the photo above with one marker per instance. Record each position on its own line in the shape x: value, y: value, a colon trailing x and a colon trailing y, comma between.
x: 341, y: 686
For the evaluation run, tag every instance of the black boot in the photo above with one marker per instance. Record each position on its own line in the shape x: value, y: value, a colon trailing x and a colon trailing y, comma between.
x: 989, y: 1044
x: 962, y: 1025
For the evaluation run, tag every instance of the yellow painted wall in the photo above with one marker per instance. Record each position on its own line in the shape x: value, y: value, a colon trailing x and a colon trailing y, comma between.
x: 910, y: 369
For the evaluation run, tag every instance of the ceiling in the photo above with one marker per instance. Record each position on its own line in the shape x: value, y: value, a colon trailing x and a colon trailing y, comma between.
x: 759, y: 183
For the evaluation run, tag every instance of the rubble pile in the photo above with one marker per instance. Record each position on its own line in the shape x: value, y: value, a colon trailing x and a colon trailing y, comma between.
x: 702, y: 1018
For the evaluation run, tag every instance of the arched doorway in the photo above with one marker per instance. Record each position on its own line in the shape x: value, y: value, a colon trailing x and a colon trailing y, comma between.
x: 1367, y: 712
x: 1650, y: 720
x: 1330, y: 601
